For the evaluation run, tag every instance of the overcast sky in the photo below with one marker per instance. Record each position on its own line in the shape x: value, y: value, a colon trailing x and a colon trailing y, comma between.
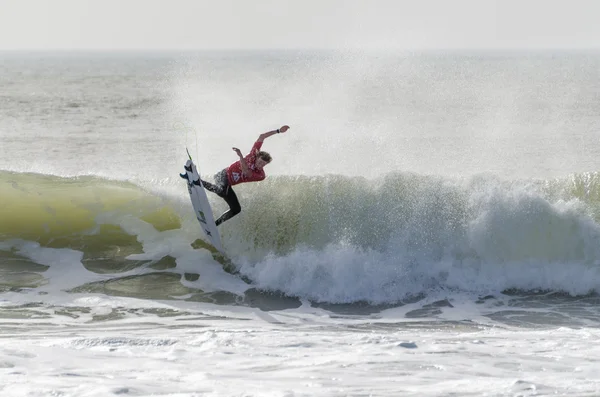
x: 262, y: 24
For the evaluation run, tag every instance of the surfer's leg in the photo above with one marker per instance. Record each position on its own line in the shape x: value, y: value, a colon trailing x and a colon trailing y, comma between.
x: 234, y: 206
x: 212, y: 188
x: 220, y: 186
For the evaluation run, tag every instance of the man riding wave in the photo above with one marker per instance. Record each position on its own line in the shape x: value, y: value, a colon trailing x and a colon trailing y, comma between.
x: 249, y: 168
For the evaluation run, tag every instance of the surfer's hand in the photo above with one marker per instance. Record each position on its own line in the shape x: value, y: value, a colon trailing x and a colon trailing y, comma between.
x: 284, y: 128
x: 239, y: 153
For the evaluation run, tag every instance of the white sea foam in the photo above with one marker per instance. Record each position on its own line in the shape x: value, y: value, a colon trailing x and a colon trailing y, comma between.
x: 317, y: 356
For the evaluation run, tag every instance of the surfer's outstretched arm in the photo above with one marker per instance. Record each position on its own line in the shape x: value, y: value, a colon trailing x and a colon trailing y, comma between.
x: 264, y: 136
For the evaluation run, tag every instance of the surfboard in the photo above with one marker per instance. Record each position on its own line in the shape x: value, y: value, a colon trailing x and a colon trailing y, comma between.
x: 202, y: 208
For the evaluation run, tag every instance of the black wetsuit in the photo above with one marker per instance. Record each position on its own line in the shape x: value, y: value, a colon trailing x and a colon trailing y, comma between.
x: 222, y: 188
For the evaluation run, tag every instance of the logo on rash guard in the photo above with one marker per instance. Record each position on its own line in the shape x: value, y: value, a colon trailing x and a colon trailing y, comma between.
x: 236, y: 176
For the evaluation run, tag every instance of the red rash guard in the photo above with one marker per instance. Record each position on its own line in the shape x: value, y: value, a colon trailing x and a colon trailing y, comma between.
x: 234, y: 171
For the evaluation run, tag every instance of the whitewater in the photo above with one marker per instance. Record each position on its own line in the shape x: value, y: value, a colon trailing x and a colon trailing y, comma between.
x: 430, y: 225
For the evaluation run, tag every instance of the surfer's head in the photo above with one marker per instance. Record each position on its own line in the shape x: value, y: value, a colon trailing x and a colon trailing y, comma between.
x: 262, y: 159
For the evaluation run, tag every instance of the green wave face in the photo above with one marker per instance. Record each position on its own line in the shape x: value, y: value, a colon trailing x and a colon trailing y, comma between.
x: 66, y: 213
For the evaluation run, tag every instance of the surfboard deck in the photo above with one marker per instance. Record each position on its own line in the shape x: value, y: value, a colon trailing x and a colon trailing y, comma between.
x: 202, y: 208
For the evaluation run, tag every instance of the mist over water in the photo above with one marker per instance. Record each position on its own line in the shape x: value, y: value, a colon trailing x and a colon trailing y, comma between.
x: 513, y: 115
x: 444, y: 114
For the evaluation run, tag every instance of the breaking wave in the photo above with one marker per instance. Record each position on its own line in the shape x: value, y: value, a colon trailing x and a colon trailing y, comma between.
x: 326, y: 238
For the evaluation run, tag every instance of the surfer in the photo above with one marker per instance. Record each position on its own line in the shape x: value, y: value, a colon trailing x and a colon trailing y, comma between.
x: 246, y: 169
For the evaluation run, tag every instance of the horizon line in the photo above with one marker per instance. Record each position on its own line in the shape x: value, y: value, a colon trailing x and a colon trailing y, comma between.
x: 258, y: 49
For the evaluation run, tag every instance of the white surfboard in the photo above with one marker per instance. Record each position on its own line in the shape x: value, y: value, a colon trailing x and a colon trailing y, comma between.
x: 201, y: 206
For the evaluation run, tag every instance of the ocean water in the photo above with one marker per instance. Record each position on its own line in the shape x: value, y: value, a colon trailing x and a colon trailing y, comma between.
x: 430, y: 225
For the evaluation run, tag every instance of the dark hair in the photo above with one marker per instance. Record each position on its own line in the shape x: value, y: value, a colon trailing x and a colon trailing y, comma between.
x: 265, y: 156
